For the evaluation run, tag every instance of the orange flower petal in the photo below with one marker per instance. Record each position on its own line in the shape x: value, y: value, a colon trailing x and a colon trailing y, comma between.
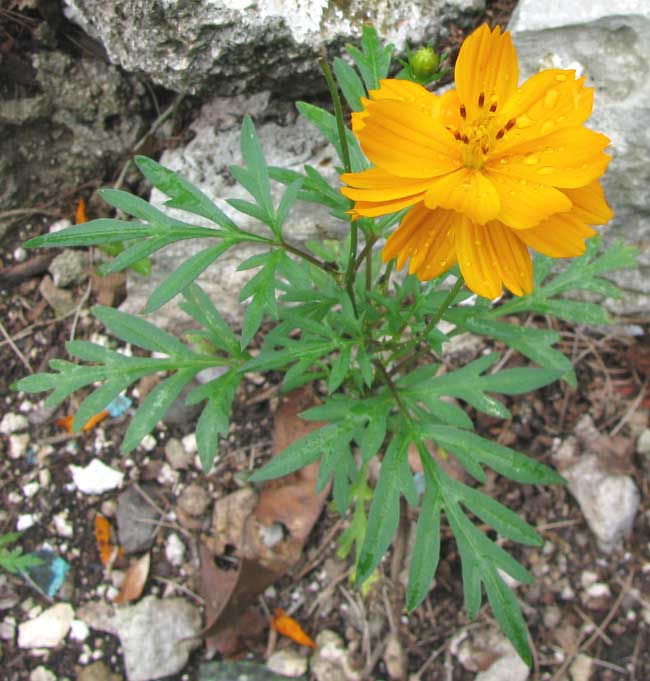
x: 514, y: 263
x: 427, y: 237
x: 289, y: 627
x: 486, y: 65
x: 546, y: 102
x: 560, y: 236
x: 80, y: 213
x: 374, y: 209
x: 478, y: 260
x: 402, y: 139
x: 525, y: 203
x: 375, y: 184
x: 467, y: 191
x: 571, y: 157
x: 590, y: 204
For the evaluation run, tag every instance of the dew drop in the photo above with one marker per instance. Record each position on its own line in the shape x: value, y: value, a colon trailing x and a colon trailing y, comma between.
x: 523, y: 183
x: 550, y: 99
x: 531, y: 160
x: 443, y: 263
x: 547, y: 127
x: 503, y: 161
x: 546, y: 170
x: 559, y: 119
x: 524, y: 122
x: 560, y: 77
x: 478, y: 243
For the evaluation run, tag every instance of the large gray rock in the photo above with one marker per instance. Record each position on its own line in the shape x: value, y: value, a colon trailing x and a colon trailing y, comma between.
x: 205, y: 162
x: 609, y: 41
x: 229, y: 46
x: 74, y: 122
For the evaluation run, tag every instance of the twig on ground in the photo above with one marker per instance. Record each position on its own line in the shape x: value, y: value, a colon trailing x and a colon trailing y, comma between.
x: 632, y: 408
x: 180, y: 587
x: 427, y: 663
x: 28, y: 330
x: 17, y: 212
x: 15, y: 348
x: 77, y: 311
x: 324, y: 545
x: 583, y: 646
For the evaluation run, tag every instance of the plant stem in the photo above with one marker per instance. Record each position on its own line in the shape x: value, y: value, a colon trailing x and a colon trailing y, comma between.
x: 309, y: 258
x: 391, y: 386
x: 435, y: 318
x: 338, y: 111
x: 351, y: 270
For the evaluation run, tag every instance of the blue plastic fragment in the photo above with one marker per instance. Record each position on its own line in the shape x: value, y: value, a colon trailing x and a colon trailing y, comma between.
x: 118, y: 406
x: 31, y: 456
x: 51, y: 573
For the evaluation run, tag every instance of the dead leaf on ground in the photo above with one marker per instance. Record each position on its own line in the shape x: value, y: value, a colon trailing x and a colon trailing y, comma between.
x: 134, y: 580
x: 243, y: 519
x: 110, y: 289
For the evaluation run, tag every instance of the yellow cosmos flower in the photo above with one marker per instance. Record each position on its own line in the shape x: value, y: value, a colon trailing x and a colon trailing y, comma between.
x: 489, y: 169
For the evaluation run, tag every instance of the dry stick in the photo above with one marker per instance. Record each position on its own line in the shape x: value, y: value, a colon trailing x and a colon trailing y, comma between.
x: 28, y: 330
x: 180, y: 587
x: 16, y: 212
x: 601, y: 628
x: 15, y: 348
x: 324, y: 545
x: 428, y: 662
x: 633, y: 407
x: 77, y: 312
x: 154, y: 126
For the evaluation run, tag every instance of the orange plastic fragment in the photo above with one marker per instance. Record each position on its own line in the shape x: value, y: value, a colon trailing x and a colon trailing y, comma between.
x: 67, y: 421
x: 288, y: 627
x: 108, y: 551
x: 80, y: 214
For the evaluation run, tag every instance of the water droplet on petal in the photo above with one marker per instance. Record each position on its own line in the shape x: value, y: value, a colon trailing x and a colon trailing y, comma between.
x: 550, y: 98
x: 523, y: 183
x: 560, y: 77
x: 531, y: 160
x: 524, y: 122
x: 503, y: 161
x: 546, y: 170
x: 443, y: 263
x: 547, y: 127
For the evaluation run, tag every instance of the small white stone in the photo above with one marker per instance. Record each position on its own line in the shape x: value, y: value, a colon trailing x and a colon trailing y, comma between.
x: 643, y: 443
x: 79, y: 630
x: 20, y: 254
x: 148, y: 443
x: 8, y: 629
x: 598, y: 590
x: 62, y: 525
x: 287, y: 662
x: 42, y: 674
x: 48, y: 629
x: 14, y: 497
x: 12, y: 423
x: 18, y: 444
x: 587, y: 578
x: 25, y: 521
x: 96, y: 477
x: 26, y: 406
x: 175, y: 550
x: 59, y: 225
x: 167, y: 475
x: 30, y: 489
x: 189, y: 443
x: 44, y: 477
x: 582, y: 668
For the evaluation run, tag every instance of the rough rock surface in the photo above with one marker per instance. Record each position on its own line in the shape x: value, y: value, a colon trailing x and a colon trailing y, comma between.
x: 205, y: 162
x: 230, y: 46
x: 72, y: 124
x: 609, y: 42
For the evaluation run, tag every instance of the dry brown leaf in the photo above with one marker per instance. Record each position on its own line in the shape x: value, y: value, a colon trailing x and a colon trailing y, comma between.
x: 134, y: 580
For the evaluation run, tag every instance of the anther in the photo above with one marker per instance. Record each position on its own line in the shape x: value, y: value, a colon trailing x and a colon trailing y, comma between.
x: 457, y: 135
x: 465, y: 139
x: 493, y: 107
x: 510, y: 124
x: 485, y: 149
x: 481, y: 99
x: 463, y: 112
x: 500, y: 134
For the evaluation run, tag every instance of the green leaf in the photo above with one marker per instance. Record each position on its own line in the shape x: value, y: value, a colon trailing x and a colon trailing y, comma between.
x: 286, y: 202
x: 154, y: 407
x: 339, y: 369
x: 93, y: 233
x: 384, y: 514
x: 133, y: 254
x: 136, y: 331
x: 99, y: 399
x: 326, y: 123
x: 373, y: 60
x: 350, y: 84
x: 184, y: 195
x: 519, y: 380
x: 426, y: 549
x: 502, y: 459
x: 184, y: 275
x: 508, y: 614
x: 507, y: 523
x: 200, y: 307
x: 300, y: 453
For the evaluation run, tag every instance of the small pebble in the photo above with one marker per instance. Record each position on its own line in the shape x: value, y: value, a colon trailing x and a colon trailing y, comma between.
x: 189, y: 443
x: 175, y: 550
x: 176, y: 455
x: 30, y: 489
x: 148, y: 443
x: 167, y: 475
x: 18, y: 444
x: 25, y: 521
x: 12, y: 423
x: 62, y: 525
x: 193, y: 500
x: 20, y: 254
x: 79, y: 630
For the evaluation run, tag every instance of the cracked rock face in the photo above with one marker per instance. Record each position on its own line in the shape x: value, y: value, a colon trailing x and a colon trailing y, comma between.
x: 229, y: 46
x: 609, y: 42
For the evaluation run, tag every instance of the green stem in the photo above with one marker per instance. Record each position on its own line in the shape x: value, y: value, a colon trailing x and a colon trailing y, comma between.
x: 352, y: 258
x: 308, y: 257
x: 338, y: 111
x: 435, y: 318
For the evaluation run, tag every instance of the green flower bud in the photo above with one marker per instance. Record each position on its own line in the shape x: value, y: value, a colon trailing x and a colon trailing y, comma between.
x: 424, y: 63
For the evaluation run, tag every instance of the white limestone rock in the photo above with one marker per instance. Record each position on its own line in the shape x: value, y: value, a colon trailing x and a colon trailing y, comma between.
x: 609, y: 42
